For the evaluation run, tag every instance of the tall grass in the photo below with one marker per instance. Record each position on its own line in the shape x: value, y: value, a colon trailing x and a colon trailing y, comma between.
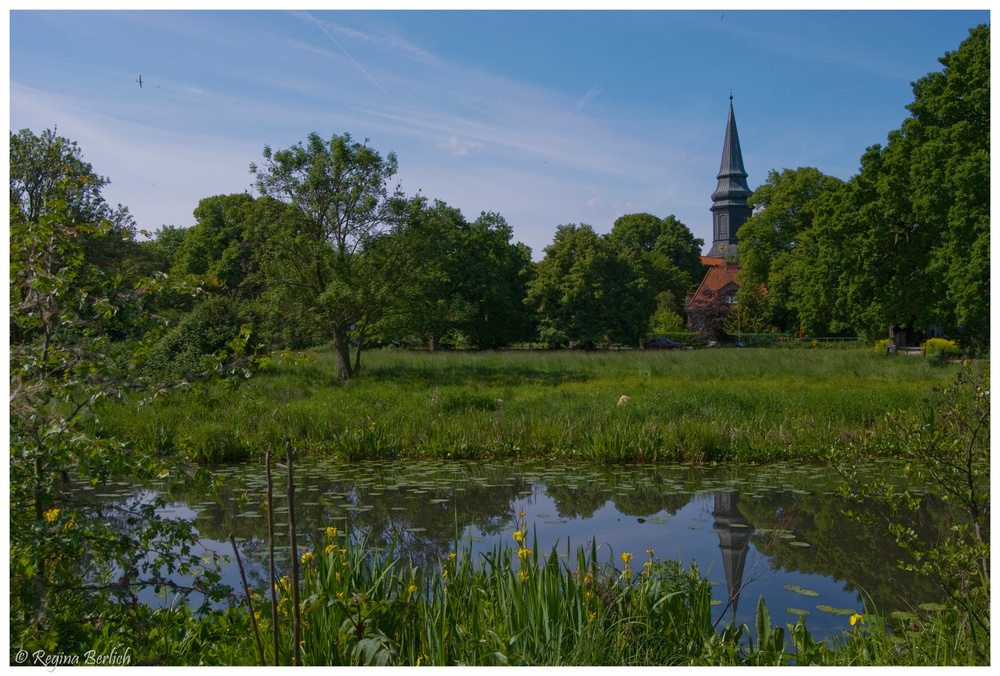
x: 700, y: 405
x: 515, y: 607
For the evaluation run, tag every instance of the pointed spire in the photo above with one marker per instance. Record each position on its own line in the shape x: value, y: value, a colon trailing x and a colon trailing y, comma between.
x: 732, y: 176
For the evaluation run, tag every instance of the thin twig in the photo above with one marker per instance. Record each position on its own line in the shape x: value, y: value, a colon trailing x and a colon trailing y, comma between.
x: 296, y: 610
x: 246, y: 590
x: 270, y: 553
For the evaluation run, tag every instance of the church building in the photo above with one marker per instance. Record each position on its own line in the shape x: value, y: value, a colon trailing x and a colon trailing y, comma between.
x: 729, y: 211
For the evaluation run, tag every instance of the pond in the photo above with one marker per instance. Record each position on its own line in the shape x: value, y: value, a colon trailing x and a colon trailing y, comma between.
x: 774, y: 531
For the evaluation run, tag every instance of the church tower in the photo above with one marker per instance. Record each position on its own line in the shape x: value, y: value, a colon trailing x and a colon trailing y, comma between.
x: 729, y: 209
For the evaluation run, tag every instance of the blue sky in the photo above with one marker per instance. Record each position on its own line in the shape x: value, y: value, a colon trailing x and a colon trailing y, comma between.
x: 546, y: 117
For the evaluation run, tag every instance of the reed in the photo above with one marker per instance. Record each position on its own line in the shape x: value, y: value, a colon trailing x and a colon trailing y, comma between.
x: 702, y: 405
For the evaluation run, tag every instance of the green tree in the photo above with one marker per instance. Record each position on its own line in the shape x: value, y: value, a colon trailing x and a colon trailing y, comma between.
x: 497, y: 272
x: 435, y: 301
x: 75, y: 566
x: 905, y: 243
x: 776, y: 255
x: 665, y: 259
x: 339, y: 257
x: 48, y: 174
x: 949, y: 171
x: 578, y: 289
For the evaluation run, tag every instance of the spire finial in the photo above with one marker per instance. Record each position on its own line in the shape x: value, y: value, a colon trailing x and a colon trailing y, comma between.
x: 730, y: 94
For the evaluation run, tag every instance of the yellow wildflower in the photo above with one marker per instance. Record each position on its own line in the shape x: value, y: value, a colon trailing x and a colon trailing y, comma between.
x: 451, y: 556
x: 331, y: 532
x: 522, y: 575
x: 51, y: 515
x: 412, y: 589
x: 523, y: 553
x: 592, y: 617
x: 518, y: 536
x: 330, y: 549
x: 650, y: 552
x: 856, y: 617
x: 626, y: 557
x: 308, y: 558
x: 627, y: 574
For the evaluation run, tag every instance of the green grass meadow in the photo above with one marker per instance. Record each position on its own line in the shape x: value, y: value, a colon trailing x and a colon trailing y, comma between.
x: 608, y: 406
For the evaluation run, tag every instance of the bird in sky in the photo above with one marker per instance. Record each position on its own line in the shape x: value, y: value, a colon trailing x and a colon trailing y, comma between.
x: 140, y: 82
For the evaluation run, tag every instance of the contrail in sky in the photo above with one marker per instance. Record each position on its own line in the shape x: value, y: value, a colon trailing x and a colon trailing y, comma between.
x: 353, y: 60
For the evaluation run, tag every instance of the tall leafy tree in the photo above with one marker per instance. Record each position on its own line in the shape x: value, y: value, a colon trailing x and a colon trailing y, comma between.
x: 775, y: 253
x: 498, y: 271
x: 949, y: 169
x: 909, y: 235
x: 433, y: 302
x: 339, y: 256
x: 578, y: 288
x: 665, y: 259
x: 467, y: 283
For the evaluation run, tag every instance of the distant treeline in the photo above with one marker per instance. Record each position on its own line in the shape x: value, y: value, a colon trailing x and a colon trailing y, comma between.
x: 328, y: 253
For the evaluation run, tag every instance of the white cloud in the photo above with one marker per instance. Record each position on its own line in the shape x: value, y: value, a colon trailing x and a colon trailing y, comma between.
x: 458, y: 147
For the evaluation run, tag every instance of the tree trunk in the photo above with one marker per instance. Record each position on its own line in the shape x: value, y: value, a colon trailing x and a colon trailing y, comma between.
x: 357, y: 352
x: 344, y: 370
x: 432, y: 343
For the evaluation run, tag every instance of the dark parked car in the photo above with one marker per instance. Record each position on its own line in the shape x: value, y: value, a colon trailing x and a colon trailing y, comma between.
x: 661, y: 344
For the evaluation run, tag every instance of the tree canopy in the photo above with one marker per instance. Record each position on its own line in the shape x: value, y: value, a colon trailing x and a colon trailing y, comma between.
x: 338, y: 257
x: 902, y: 244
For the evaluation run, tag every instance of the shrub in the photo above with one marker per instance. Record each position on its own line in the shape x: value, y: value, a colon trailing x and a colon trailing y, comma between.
x: 942, y: 348
x: 208, y: 328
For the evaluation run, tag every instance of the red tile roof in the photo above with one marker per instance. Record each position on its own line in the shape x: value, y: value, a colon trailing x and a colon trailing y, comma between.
x: 719, y: 275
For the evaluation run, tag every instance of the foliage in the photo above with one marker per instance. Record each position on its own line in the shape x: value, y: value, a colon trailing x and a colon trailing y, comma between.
x: 941, y: 347
x: 905, y: 242
x: 467, y: 281
x: 664, y: 259
x: 948, y: 448
x: 339, y: 257
x: 188, y: 349
x: 595, y: 289
x: 710, y: 315
x: 75, y: 564
x: 578, y: 287
x: 775, y: 256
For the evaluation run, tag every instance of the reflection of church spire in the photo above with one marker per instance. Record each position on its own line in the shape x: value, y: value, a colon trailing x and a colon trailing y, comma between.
x: 734, y: 536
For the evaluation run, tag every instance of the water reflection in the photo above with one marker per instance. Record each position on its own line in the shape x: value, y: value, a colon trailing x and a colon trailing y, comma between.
x: 775, y: 531
x: 734, y: 543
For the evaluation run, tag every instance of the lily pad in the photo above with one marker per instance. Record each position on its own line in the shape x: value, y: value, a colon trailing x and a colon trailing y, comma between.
x: 834, y: 611
x: 799, y: 543
x: 798, y: 611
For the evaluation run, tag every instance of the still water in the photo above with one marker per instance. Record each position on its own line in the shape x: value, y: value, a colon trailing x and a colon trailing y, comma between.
x: 776, y: 531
